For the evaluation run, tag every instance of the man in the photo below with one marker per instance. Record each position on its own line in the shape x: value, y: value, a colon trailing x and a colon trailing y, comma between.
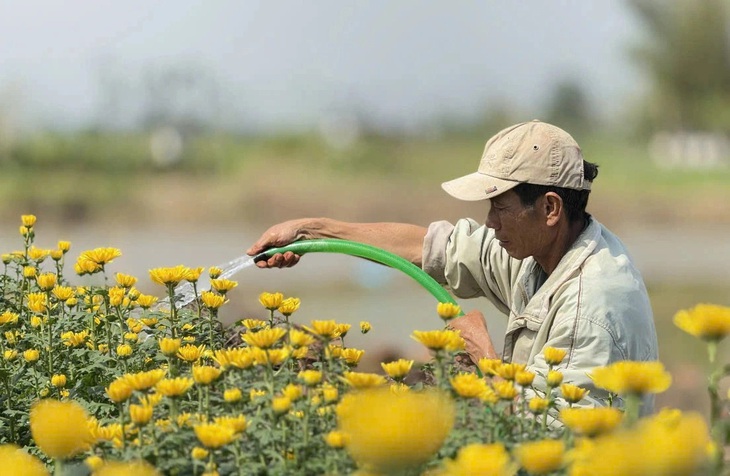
x: 561, y: 277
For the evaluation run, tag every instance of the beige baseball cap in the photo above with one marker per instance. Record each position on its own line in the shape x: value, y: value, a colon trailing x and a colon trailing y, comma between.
x: 531, y: 152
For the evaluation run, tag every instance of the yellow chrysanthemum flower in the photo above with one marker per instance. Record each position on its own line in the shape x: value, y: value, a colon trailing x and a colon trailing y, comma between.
x: 16, y: 462
x: 524, y: 378
x: 8, y: 317
x: 447, y: 310
x: 174, y: 387
x: 336, y: 439
x: 300, y: 339
x: 480, y: 459
x: 254, y: 324
x: 334, y: 351
x: 58, y: 380
x: 293, y: 392
x: 140, y: 414
x: 28, y: 220
x: 30, y: 272
x: 397, y: 369
x: 271, y: 356
x: 630, y: 377
x: 489, y: 366
x: 199, y: 453
x: 119, y: 390
x: 124, y: 350
x: 125, y: 280
x: 63, y: 293
x: 194, y: 274
x: 363, y: 380
x: 572, y: 393
x: 56, y: 255
x: 541, y: 457
x: 31, y: 355
x: 468, y: 385
x: 554, y: 356
x: 238, y: 423
x: 437, y: 340
x: 212, y: 300
x: 365, y: 327
x: 271, y: 301
x: 343, y: 329
x: 240, y: 357
x: 75, y: 339
x: 508, y: 371
x: 538, y: 405
x: 169, y: 276
x: 60, y: 429
x: 289, y: 306
x: 280, y: 404
x: 330, y: 393
x: 352, y: 356
x: 10, y: 354
x: 505, y: 389
x: 146, y: 301
x: 85, y: 266
x: 310, y: 377
x: 64, y: 246
x: 390, y: 433
x: 101, y: 256
x: 325, y: 329
x: 37, y: 254
x: 264, y: 339
x: 214, y: 272
x: 169, y: 346
x: 205, y: 374
x: 232, y: 395
x: 706, y: 321
x: 116, y: 295
x: 149, y: 321
x: 223, y: 285
x: 652, y: 446
x: 591, y: 421
x: 37, y: 302
x: 190, y: 353
x: 46, y: 281
x: 554, y: 378
x: 144, y: 380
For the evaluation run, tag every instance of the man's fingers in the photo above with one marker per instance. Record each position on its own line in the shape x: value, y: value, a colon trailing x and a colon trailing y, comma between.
x: 279, y: 260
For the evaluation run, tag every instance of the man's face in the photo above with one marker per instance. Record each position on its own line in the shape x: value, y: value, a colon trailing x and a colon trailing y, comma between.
x: 521, y: 230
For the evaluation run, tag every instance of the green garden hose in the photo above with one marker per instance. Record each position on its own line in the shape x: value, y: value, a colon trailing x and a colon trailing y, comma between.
x: 362, y: 250
x: 372, y: 253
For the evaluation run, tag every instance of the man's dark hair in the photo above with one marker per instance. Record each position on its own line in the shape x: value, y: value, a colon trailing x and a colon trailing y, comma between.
x: 574, y: 201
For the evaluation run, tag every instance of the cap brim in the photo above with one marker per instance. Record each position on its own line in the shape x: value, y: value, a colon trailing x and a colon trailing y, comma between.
x: 477, y: 186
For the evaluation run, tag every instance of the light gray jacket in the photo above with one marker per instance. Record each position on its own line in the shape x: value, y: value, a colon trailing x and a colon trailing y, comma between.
x: 594, y: 304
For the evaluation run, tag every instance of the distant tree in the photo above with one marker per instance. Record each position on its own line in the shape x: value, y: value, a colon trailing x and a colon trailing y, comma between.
x: 686, y: 54
x: 569, y: 107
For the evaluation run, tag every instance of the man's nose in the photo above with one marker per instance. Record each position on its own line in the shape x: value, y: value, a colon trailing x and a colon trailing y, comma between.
x: 491, y: 220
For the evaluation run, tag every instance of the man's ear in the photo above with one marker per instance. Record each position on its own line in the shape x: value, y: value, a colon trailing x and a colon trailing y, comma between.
x: 552, y: 207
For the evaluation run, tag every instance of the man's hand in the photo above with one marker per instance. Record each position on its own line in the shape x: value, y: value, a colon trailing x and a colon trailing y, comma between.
x: 474, y: 331
x: 276, y: 236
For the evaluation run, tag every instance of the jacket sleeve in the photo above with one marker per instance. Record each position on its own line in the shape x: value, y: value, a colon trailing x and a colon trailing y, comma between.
x: 468, y: 259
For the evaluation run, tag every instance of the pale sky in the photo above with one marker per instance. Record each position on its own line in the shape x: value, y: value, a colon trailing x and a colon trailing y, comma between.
x: 279, y: 63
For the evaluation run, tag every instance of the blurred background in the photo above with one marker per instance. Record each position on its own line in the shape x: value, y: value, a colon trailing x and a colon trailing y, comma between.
x: 179, y: 131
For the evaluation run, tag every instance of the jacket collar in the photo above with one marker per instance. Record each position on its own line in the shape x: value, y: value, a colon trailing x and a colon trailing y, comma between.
x: 569, y: 265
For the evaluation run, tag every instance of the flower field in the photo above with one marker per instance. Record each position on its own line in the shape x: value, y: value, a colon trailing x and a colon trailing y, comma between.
x: 102, y: 379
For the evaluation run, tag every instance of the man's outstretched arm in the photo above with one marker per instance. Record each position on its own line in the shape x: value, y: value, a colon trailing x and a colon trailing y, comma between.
x: 402, y: 239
